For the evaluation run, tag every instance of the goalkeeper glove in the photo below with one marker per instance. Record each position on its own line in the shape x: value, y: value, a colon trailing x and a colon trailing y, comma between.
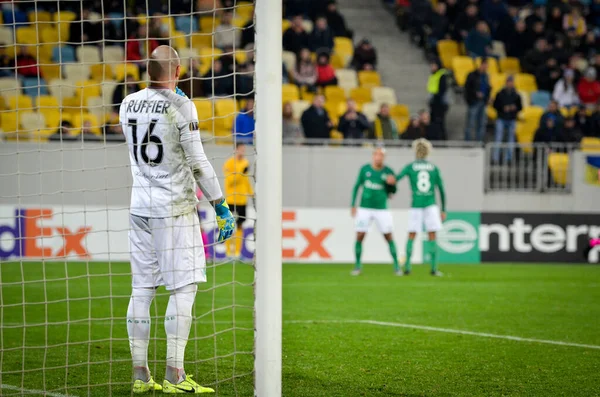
x: 179, y: 92
x: 225, y: 221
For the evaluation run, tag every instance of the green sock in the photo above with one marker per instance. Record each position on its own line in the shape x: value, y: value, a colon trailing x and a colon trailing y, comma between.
x: 392, y: 245
x: 357, y: 253
x: 409, y: 244
x: 432, y: 248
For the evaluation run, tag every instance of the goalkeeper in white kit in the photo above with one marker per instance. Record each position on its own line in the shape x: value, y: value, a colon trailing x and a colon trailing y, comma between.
x: 167, y: 162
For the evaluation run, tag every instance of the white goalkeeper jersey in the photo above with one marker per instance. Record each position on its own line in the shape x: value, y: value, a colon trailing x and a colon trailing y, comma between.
x: 166, y: 154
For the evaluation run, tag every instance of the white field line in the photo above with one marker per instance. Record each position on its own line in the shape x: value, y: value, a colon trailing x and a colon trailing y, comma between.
x: 34, y: 391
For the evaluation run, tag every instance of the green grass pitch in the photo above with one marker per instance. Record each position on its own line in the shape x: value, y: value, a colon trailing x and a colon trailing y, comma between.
x: 79, y: 335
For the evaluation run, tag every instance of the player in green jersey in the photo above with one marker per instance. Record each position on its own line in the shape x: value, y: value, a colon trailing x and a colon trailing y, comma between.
x: 423, y: 178
x: 373, y: 206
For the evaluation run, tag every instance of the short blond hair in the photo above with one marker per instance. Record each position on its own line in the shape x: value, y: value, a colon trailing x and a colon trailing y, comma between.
x: 422, y: 148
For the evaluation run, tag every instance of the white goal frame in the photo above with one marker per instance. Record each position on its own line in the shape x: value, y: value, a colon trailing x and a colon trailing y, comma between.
x: 268, y: 294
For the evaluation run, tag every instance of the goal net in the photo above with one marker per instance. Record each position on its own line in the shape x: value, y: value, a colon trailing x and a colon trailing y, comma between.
x: 65, y: 182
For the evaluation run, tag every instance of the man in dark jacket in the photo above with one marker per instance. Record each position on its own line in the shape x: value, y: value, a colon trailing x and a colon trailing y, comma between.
x: 321, y: 39
x: 336, y: 21
x: 477, y: 95
x: 437, y: 87
x: 315, y: 120
x: 536, y: 57
x: 296, y: 38
x: 508, y: 105
x: 353, y: 124
x: 424, y: 128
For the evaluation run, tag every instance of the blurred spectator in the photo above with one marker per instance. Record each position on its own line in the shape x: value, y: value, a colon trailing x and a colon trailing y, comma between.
x: 538, y: 15
x: 243, y: 128
x: 589, y: 45
x: 477, y: 95
x: 549, y: 131
x: 493, y: 11
x: 516, y: 43
x: 508, y: 105
x: 291, y: 129
x: 138, y: 47
x: 419, y: 15
x: 315, y: 120
x: 113, y: 34
x: 228, y: 60
x: 114, y: 130
x: 437, y: 87
x: 158, y: 29
x: 552, y: 112
x: 248, y: 32
x: 547, y: 75
x: 452, y: 10
x: 384, y: 126
x: 571, y: 131
x: 365, y: 57
x: 295, y: 37
x: 560, y: 52
x: 63, y: 133
x: 325, y: 72
x: 554, y: 22
x: 245, y: 80
x: 353, y: 124
x: 26, y: 64
x: 433, y: 131
x: 6, y: 62
x: 415, y: 129
x: 217, y: 82
x: 574, y: 25
x: 285, y: 76
x: 466, y: 22
x: 534, y: 34
x: 589, y: 88
x: 321, y: 39
x: 594, y: 13
x: 593, y: 124
x: 438, y: 26
x: 536, y: 57
x: 336, y: 21
x: 86, y: 129
x: 84, y: 31
x: 584, y: 123
x: 191, y: 81
x: 479, y: 41
x: 564, y: 90
x: 595, y: 63
x: 124, y: 87
x: 226, y: 35
x: 305, y: 74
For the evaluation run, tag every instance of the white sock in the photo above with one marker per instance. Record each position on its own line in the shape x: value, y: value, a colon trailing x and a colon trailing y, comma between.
x: 138, y: 329
x: 178, y: 322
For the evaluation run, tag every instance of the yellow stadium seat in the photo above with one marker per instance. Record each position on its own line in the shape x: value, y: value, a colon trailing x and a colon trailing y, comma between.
x: 527, y: 123
x: 491, y: 113
x: 290, y: 93
x: 225, y: 107
x: 399, y: 111
x: 20, y: 102
x: 447, y: 49
x: 73, y: 106
x: 241, y: 56
x: 492, y: 65
x: 96, y: 125
x: 332, y: 109
x: 589, y: 144
x: 402, y: 123
x: 335, y: 93
x: 10, y: 123
x: 27, y: 35
x: 178, y: 40
x: 497, y: 82
x: 559, y: 167
x: 39, y: 16
x: 361, y: 95
x: 123, y: 69
x: 200, y: 40
x: 343, y: 46
x: 64, y: 16
x: 336, y: 135
x: 53, y: 119
x: 462, y: 66
x: 204, y: 107
x: 510, y: 65
x: 207, y: 55
x: 369, y: 78
x: 209, y: 23
x: 50, y: 34
x: 47, y: 105
x: 338, y: 61
x: 101, y: 72
x: 525, y: 82
x: 525, y: 98
x: 298, y: 108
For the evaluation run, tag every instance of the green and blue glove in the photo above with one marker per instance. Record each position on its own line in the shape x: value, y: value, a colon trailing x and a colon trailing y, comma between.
x: 225, y: 221
x: 179, y: 92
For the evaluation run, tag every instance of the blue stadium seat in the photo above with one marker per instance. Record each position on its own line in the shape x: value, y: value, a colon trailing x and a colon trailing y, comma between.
x: 63, y: 53
x: 32, y: 86
x: 117, y: 19
x: 186, y: 24
x: 540, y: 98
x: 19, y: 17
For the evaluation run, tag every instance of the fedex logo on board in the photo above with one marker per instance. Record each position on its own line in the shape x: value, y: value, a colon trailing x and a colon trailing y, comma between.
x: 23, y: 237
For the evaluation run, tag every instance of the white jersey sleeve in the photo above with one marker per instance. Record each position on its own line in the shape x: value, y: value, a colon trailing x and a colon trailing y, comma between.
x: 166, y: 154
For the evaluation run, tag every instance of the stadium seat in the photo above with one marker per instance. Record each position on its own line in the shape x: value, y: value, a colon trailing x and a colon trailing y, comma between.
x: 47, y: 104
x: 27, y: 35
x: 61, y: 89
x: 186, y: 24
x: 347, y: 78
x: 244, y: 10
x: 399, y: 111
x: 589, y: 144
x: 207, y: 55
x: 361, y: 95
x: 298, y: 108
x: 32, y: 123
x: 338, y: 61
x: 39, y: 16
x: 343, y: 46
x: 123, y: 69
x: 97, y: 108
x: 447, y: 50
x: 492, y: 65
x: 525, y: 99
x: 384, y: 95
x: 86, y: 89
x: 76, y: 71
x: 289, y: 60
x: 88, y: 54
x: 540, y: 98
x: 527, y: 123
x: 498, y: 49
x: 32, y: 86
x: 101, y: 72
x: 79, y: 119
x: 285, y: 25
x: 10, y: 122
x: 20, y: 102
x: 370, y: 110
x: 290, y: 93
x: 510, y: 65
x: 225, y: 107
x: 64, y: 16
x: 497, y: 81
x: 209, y: 23
x: 51, y: 72
x: 63, y: 54
x: 6, y: 36
x: 53, y: 119
x: 108, y: 88
x: 369, y: 78
x: 44, y: 53
x: 559, y: 167
x: 50, y: 35
x: 204, y: 107
x: 9, y: 86
x: 402, y: 123
x: 12, y: 15
x: 308, y: 26
x: 525, y: 82
x: 200, y: 40
x: 113, y: 54
x: 335, y: 93
x: 117, y: 19
x: 461, y: 67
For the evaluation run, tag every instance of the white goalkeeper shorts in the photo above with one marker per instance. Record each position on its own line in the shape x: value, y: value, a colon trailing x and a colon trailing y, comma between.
x: 382, y: 218
x: 429, y: 217
x: 166, y: 251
